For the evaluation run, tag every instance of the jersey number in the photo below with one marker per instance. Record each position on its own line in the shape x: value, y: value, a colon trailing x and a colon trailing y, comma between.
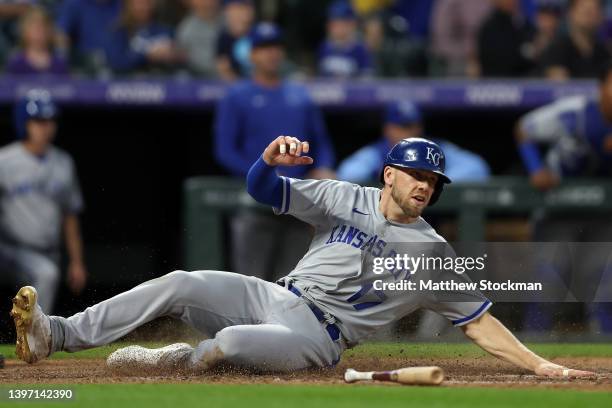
x: 361, y: 293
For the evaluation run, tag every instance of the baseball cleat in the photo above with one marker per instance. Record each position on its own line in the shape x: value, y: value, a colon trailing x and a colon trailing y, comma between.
x: 32, y: 326
x: 137, y: 360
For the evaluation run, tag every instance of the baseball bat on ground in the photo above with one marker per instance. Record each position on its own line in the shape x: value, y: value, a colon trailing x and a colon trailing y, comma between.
x: 411, y: 375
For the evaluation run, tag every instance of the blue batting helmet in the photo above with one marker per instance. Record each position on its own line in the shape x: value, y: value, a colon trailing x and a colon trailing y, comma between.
x: 421, y: 154
x: 36, y: 105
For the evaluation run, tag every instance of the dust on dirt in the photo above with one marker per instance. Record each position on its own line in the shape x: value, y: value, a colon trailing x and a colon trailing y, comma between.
x: 460, y: 372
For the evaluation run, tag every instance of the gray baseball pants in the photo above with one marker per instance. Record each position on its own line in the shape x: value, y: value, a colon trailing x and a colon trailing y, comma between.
x: 252, y: 322
x: 21, y: 266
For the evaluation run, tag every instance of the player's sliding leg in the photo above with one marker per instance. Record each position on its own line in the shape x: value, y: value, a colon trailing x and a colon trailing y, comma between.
x: 207, y: 300
x: 298, y: 343
x: 264, y: 347
x: 201, y: 298
x: 291, y: 339
x: 285, y: 337
x: 174, y: 358
x: 32, y: 326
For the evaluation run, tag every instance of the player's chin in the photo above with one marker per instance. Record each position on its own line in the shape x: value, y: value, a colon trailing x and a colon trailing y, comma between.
x: 412, y: 210
x: 415, y: 205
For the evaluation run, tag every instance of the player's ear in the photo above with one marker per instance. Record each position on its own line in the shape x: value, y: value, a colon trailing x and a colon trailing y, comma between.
x: 389, y: 175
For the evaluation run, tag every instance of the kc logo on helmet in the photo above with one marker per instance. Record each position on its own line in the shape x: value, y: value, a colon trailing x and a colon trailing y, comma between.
x: 433, y: 156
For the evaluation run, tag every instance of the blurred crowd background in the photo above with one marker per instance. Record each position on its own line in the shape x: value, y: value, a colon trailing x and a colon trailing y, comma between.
x: 340, y: 39
x: 92, y: 195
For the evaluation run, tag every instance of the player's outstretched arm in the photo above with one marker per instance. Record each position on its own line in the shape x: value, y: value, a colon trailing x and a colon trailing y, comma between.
x: 492, y: 336
x: 263, y: 184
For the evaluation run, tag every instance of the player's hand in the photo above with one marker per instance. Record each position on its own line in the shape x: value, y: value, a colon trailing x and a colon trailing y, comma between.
x: 77, y: 277
x: 549, y: 369
x: 287, y: 151
x: 544, y: 179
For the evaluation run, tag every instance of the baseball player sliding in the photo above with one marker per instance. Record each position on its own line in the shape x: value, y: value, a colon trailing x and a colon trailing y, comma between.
x: 307, y: 319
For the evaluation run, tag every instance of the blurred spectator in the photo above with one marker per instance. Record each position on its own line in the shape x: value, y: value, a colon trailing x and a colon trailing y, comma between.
x: 547, y: 20
x: 197, y: 36
x: 248, y: 118
x: 172, y: 12
x: 304, y: 25
x: 394, y: 53
x: 10, y: 13
x: 607, y: 24
x: 342, y: 54
x: 454, y: 29
x: 138, y: 43
x: 417, y: 14
x: 36, y: 55
x: 577, y: 135
x: 375, y: 41
x: 369, y: 7
x: 577, y: 52
x: 233, y: 47
x: 503, y: 41
x: 83, y: 27
x: 39, y: 196
x: 403, y: 121
x: 14, y: 9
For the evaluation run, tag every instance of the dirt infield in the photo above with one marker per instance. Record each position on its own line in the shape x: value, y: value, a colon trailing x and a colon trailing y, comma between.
x: 460, y: 372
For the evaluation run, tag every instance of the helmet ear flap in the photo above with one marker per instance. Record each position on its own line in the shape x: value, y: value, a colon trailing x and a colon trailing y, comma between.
x: 436, y: 194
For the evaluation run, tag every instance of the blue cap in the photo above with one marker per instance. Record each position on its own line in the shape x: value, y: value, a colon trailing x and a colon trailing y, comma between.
x: 36, y: 105
x: 265, y: 34
x: 340, y: 10
x: 403, y: 113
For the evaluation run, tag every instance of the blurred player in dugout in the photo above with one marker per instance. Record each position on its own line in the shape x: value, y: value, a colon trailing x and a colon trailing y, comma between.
x: 254, y: 109
x: 403, y: 120
x: 39, y: 195
x: 575, y: 134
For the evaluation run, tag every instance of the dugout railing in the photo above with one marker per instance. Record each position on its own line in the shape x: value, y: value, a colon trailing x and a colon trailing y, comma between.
x: 209, y: 200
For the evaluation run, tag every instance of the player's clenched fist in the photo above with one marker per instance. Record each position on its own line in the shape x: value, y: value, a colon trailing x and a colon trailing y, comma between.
x: 287, y: 151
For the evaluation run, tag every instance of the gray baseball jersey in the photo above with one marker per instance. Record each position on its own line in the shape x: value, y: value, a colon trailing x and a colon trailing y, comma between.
x: 35, y: 194
x: 348, y: 222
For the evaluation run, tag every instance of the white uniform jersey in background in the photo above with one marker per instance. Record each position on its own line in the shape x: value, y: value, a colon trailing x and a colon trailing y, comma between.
x: 35, y: 194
